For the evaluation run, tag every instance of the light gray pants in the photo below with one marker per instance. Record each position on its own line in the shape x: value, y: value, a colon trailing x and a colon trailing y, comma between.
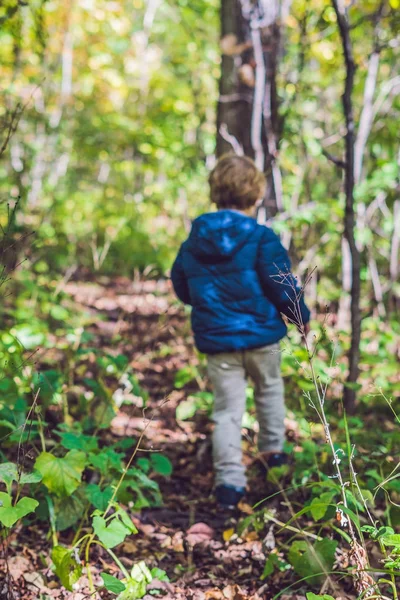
x: 228, y: 373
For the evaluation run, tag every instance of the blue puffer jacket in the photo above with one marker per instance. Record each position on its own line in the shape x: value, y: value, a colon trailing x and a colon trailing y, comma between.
x: 230, y: 270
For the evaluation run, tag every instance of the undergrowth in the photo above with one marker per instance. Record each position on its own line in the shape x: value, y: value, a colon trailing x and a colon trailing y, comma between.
x: 338, y: 505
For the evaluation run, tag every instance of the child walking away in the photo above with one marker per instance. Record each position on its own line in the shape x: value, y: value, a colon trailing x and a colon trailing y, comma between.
x: 230, y: 271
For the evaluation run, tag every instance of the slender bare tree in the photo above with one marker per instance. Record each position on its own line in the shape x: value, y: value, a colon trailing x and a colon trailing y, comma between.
x: 350, y: 218
x: 248, y: 119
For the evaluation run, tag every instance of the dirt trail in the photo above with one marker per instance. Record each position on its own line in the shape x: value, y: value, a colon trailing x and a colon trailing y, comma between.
x: 200, y: 564
x: 187, y: 537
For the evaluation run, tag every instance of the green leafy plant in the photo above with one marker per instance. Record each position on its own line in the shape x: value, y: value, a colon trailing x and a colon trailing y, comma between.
x: 11, y: 512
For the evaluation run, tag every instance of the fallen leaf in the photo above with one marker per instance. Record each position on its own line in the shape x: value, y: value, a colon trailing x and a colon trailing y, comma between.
x: 156, y: 584
x: 36, y: 584
x: 129, y: 547
x: 177, y: 542
x: 17, y: 566
x: 36, y: 579
x: 228, y: 533
x: 245, y: 508
x: 214, y: 595
x: 252, y: 536
x: 199, y: 533
x: 234, y: 592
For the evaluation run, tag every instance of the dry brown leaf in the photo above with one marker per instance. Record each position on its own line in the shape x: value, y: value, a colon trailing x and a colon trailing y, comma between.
x: 252, y: 536
x: 214, y: 595
x: 129, y: 547
x: 234, y: 592
x: 177, y: 542
x: 199, y: 533
x: 245, y: 508
x: 36, y: 584
x: 17, y: 566
x: 230, y: 592
x: 156, y: 584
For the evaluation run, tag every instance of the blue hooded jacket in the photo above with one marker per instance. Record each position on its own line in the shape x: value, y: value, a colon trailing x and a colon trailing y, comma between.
x: 236, y: 275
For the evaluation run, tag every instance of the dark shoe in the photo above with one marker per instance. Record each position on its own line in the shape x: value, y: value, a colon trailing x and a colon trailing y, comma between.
x: 275, y: 459
x: 228, y: 496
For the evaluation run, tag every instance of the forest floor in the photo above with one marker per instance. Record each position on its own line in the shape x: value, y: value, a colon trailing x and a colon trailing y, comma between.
x: 201, y: 553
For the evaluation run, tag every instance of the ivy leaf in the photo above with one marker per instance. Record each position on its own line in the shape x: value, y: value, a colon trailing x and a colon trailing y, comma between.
x: 9, y: 473
x: 9, y: 514
x: 68, y: 513
x: 112, y: 534
x: 319, y: 506
x: 137, y: 486
x: 75, y: 441
x: 107, y: 460
x: 112, y: 584
x: 98, y: 497
x: 312, y: 562
x: 127, y: 521
x: 144, y: 464
x: 33, y: 477
x: 61, y: 475
x: 66, y: 567
x: 161, y: 464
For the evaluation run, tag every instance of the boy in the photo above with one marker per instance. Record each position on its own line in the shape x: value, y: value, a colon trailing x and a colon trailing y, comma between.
x: 230, y: 270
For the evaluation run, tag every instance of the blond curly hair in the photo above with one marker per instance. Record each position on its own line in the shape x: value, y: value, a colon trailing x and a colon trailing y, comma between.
x: 235, y: 182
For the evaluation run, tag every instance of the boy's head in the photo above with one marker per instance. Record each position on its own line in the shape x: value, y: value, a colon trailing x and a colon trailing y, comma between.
x: 235, y: 182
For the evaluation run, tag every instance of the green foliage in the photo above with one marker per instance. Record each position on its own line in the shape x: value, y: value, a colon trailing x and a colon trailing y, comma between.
x: 112, y: 584
x: 186, y: 375
x: 113, y: 203
x: 313, y: 561
x: 140, y: 489
x: 61, y: 475
x: 78, y: 441
x: 274, y: 562
x: 9, y: 473
x: 66, y: 567
x: 10, y: 514
x: 68, y: 512
x: 113, y: 532
x: 161, y: 464
x: 199, y: 401
x: 389, y: 542
x: 319, y: 506
x: 136, y: 583
x: 97, y: 497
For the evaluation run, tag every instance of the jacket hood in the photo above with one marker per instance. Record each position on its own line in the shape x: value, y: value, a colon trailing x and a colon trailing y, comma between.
x: 218, y: 236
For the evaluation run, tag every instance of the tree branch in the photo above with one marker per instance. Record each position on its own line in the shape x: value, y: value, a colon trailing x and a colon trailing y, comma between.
x: 336, y: 161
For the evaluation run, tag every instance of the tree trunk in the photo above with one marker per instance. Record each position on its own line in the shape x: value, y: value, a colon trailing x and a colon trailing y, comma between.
x: 349, y: 398
x: 247, y: 119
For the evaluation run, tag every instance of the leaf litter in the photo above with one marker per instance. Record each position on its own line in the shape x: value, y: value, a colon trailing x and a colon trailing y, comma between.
x: 203, y: 556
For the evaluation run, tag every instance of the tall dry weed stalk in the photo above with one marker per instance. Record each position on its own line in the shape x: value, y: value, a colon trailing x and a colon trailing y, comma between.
x: 364, y: 584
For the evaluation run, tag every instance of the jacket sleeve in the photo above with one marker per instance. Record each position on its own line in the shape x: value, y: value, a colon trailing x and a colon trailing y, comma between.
x: 179, y: 280
x: 278, y: 283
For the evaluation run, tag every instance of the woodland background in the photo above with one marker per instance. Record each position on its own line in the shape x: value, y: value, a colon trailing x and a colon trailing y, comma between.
x: 112, y: 114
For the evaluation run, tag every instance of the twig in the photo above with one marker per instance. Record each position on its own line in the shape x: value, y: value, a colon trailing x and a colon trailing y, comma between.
x: 336, y: 161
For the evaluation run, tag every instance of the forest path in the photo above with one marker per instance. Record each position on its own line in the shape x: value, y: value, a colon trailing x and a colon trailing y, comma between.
x: 197, y: 546
x: 142, y: 321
